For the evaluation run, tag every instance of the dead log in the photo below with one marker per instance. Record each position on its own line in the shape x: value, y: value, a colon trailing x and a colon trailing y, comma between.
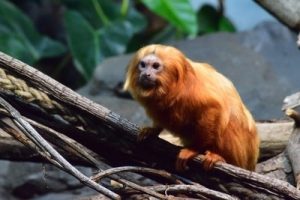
x: 118, y: 137
x: 274, y: 137
x: 13, y: 150
x: 291, y: 103
x: 287, y: 11
x: 293, y: 149
x: 278, y: 167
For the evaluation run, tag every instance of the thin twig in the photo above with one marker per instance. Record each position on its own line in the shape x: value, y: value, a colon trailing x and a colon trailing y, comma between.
x: 19, y: 135
x: 84, y: 153
x: 79, y: 149
x: 45, y: 146
x: 116, y: 170
x: 82, y: 150
x: 110, y: 172
x: 198, y: 189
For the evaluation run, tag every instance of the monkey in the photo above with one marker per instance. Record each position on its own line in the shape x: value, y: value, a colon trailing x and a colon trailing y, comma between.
x: 195, y: 102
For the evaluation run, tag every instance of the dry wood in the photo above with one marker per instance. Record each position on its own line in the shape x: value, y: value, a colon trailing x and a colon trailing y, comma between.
x: 274, y: 137
x: 293, y: 147
x: 120, y: 140
x: 46, y: 150
x: 11, y: 149
x: 294, y: 115
x: 287, y: 11
x: 116, y: 170
x: 79, y: 150
x: 198, y: 189
x: 278, y: 167
x: 292, y: 101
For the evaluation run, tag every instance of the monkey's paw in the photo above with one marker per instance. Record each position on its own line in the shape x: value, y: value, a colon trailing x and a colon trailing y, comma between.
x: 183, y: 157
x: 210, y: 159
x: 147, y: 132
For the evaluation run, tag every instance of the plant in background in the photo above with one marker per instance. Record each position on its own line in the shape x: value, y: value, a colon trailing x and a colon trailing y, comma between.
x: 96, y: 29
x: 20, y: 39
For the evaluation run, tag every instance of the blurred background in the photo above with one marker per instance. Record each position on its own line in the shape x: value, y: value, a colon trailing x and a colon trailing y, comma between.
x: 86, y: 45
x: 72, y: 37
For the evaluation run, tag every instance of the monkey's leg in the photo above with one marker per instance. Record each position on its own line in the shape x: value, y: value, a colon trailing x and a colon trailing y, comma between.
x: 148, y: 132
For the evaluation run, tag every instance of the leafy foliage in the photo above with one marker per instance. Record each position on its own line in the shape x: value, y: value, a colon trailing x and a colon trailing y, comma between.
x: 96, y: 29
x: 19, y: 38
x: 178, y: 12
x: 209, y: 21
x: 107, y: 36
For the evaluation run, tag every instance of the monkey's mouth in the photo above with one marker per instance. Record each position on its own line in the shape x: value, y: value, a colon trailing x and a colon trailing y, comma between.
x: 147, y: 83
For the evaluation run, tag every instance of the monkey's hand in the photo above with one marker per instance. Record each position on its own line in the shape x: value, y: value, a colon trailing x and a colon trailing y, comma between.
x: 147, y: 132
x: 210, y: 159
x: 183, y: 157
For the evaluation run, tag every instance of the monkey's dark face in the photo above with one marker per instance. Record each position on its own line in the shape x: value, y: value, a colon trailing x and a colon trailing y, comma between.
x: 149, y: 68
x: 154, y: 71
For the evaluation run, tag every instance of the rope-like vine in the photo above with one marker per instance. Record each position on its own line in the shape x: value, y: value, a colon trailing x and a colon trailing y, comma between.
x: 31, y: 95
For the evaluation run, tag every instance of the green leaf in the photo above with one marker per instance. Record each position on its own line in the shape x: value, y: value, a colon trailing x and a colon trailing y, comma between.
x: 111, y: 10
x: 83, y: 42
x: 90, y: 42
x: 49, y: 48
x: 115, y: 37
x: 166, y: 34
x: 178, y: 12
x: 226, y: 25
x: 14, y: 46
x: 208, y: 19
x: 136, y: 20
x: 89, y: 46
x: 19, y: 27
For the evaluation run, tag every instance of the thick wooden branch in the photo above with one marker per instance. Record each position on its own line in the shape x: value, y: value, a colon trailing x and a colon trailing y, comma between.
x: 287, y: 11
x: 293, y: 149
x: 11, y: 149
x: 117, y: 137
x: 274, y: 137
x: 34, y: 140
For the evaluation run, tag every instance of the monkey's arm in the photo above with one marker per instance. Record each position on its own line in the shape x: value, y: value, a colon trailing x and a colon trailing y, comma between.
x: 149, y: 132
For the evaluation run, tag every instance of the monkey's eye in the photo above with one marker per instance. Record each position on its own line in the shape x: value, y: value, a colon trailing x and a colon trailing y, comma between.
x: 156, y: 65
x: 142, y: 64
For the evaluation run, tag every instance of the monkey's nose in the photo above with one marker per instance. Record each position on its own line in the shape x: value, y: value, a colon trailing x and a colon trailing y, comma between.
x: 146, y: 81
x: 146, y: 76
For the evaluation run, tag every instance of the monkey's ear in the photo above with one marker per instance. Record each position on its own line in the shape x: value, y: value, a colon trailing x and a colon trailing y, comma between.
x: 126, y: 85
x: 128, y: 78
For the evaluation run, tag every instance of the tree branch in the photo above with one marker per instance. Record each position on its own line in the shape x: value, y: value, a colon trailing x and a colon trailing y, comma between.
x: 287, y: 11
x: 45, y: 148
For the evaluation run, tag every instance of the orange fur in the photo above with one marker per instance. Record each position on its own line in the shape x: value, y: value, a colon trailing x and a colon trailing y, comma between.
x: 198, y: 104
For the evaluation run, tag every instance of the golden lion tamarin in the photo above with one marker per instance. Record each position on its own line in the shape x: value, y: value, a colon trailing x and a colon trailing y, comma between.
x: 195, y: 102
